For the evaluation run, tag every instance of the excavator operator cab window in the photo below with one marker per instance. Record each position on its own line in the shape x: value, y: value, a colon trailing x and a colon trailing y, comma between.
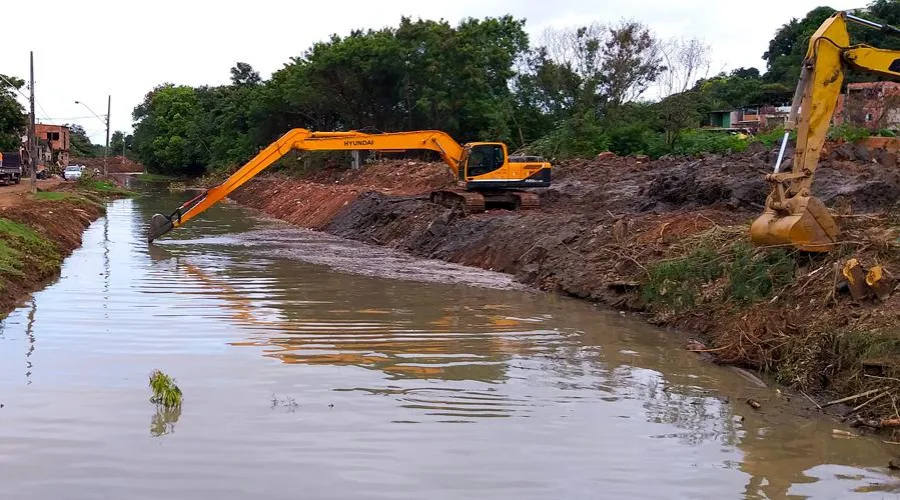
x: 484, y: 158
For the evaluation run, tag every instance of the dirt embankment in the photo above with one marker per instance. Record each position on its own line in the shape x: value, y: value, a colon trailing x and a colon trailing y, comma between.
x: 114, y: 164
x: 315, y: 200
x: 669, y: 238
x: 38, y: 231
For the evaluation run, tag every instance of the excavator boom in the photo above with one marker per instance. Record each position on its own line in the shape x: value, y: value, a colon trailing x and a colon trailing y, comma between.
x: 492, y: 156
x: 792, y: 216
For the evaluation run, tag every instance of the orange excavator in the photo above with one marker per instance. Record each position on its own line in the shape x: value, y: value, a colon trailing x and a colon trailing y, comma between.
x: 793, y: 216
x: 486, y: 174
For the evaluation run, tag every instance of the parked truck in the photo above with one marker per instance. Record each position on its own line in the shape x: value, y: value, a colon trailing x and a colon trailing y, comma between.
x: 11, y: 168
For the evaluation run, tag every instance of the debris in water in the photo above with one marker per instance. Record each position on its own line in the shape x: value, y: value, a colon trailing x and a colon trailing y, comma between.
x: 754, y: 404
x: 290, y: 403
x: 165, y: 392
x: 855, y: 396
x: 838, y: 432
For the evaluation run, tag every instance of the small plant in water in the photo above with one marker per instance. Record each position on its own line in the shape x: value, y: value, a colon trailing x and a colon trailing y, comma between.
x: 165, y: 392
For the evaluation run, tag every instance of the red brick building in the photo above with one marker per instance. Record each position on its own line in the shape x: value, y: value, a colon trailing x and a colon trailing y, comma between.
x: 53, y: 144
x: 874, y: 105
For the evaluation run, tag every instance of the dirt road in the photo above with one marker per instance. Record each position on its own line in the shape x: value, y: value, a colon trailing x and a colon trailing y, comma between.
x: 15, y: 194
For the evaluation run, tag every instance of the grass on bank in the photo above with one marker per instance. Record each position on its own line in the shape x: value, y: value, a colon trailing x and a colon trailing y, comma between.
x: 714, y: 268
x: 21, y: 245
x: 103, y: 187
x: 52, y: 195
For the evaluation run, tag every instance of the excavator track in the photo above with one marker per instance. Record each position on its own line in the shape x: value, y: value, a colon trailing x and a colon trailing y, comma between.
x: 469, y: 202
x: 526, y: 200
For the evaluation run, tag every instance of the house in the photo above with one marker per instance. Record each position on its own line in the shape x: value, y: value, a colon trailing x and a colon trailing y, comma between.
x: 53, y: 144
x: 874, y: 105
x: 750, y: 119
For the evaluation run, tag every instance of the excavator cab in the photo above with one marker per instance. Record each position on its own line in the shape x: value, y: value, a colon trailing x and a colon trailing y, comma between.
x: 482, y: 159
x: 487, y: 166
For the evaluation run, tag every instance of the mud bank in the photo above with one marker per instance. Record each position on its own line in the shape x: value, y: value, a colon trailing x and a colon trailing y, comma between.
x: 669, y: 238
x: 38, y: 231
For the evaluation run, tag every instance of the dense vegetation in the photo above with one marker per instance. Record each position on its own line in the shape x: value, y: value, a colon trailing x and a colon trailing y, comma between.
x: 12, y: 114
x: 572, y: 92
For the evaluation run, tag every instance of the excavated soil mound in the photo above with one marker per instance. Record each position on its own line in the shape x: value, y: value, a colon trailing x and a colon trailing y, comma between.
x: 856, y: 181
x: 114, y: 164
x: 317, y: 198
x: 393, y: 176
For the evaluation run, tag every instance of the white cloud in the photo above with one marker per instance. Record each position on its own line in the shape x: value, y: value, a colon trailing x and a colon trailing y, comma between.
x: 88, y: 49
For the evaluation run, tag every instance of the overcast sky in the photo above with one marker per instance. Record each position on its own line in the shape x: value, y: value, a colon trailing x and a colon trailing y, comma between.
x: 85, y: 50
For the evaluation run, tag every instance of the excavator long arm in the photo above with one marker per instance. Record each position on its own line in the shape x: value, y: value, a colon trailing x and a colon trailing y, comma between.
x: 793, y: 216
x: 301, y: 139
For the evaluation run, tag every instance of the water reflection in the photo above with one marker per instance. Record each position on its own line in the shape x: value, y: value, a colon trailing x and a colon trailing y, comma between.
x: 29, y: 333
x: 164, y: 420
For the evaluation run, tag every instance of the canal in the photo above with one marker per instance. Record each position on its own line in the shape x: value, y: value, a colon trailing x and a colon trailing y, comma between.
x: 314, y: 367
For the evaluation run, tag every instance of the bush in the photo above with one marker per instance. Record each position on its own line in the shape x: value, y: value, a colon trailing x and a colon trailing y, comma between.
x: 579, y: 136
x: 773, y: 137
x: 886, y: 133
x: 754, y: 276
x: 848, y: 132
x: 676, y: 283
x: 699, y: 141
x: 634, y: 139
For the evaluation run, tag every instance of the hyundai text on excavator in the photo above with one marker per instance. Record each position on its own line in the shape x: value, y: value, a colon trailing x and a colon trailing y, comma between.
x: 489, y: 175
x: 792, y: 216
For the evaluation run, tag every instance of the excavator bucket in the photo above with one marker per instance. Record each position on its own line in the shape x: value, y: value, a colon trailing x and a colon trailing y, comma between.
x: 808, y: 226
x: 159, y: 225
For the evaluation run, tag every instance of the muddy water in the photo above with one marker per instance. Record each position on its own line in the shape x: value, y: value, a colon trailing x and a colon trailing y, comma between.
x: 307, y: 374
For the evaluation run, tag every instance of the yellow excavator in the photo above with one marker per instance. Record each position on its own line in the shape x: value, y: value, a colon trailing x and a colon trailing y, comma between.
x: 487, y: 175
x: 792, y: 216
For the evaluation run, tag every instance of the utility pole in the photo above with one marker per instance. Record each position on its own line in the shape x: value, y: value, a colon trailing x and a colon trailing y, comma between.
x: 32, y: 139
x: 106, y: 151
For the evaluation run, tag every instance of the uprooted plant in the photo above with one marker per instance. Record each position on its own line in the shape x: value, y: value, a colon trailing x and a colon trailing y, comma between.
x: 165, y: 392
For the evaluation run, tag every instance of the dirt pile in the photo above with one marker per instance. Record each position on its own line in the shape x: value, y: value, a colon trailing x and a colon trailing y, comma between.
x: 318, y: 197
x: 115, y: 164
x: 856, y: 180
x: 388, y: 176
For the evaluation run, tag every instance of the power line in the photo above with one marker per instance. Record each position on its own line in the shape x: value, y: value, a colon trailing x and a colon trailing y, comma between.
x: 25, y: 96
x: 42, y: 109
x: 59, y: 118
x: 17, y: 89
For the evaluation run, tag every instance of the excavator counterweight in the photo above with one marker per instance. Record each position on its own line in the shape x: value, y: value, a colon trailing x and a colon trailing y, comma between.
x: 486, y: 173
x: 792, y: 215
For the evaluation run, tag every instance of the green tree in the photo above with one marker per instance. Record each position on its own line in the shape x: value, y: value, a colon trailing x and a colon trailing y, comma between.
x: 80, y: 144
x: 789, y: 45
x: 119, y: 143
x: 167, y: 132
x: 244, y: 74
x: 631, y: 61
x: 422, y: 74
x: 788, y: 48
x: 12, y: 115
